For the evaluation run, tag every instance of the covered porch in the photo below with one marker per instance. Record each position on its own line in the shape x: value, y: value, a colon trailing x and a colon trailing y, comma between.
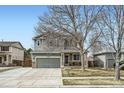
x: 71, y: 59
x: 5, y: 59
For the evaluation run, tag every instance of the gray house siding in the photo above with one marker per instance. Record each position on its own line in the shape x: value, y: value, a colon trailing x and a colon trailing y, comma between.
x: 50, y: 51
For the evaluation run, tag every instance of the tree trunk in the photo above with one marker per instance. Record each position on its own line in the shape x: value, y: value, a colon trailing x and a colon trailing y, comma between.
x: 117, y: 70
x: 82, y: 61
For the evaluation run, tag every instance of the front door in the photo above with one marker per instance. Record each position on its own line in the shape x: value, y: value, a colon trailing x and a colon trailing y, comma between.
x: 66, y: 59
x: 0, y: 59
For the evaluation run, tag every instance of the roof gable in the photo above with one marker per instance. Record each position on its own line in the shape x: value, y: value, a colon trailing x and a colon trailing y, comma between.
x: 12, y: 43
x: 52, y: 34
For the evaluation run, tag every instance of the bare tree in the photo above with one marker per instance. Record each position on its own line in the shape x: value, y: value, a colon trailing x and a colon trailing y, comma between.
x: 112, y: 27
x: 77, y: 21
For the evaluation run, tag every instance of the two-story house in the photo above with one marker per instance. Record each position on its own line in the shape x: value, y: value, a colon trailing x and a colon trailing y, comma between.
x: 11, y: 53
x: 54, y: 50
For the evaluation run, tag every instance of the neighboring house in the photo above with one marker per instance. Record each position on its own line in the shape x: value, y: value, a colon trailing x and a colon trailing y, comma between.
x: 11, y: 53
x: 103, y: 55
x: 54, y: 50
x: 106, y: 58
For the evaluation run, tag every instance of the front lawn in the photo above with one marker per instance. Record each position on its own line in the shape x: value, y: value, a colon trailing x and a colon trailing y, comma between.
x: 89, y: 73
x: 2, y: 69
x: 92, y: 82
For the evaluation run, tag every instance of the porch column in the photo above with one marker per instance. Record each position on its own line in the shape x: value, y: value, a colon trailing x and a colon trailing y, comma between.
x: 7, y: 59
x: 33, y: 61
x: 106, y: 63
x: 62, y: 59
x: 11, y: 59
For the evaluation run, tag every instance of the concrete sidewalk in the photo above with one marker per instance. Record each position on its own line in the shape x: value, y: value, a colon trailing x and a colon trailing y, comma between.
x: 92, y: 86
x: 89, y: 77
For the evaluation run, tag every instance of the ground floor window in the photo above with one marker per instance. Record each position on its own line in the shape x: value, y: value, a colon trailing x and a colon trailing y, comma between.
x: 76, y: 57
x: 4, y: 58
x: 66, y: 59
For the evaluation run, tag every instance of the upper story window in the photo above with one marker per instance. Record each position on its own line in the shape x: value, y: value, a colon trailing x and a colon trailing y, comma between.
x: 38, y: 42
x: 57, y: 42
x: 66, y: 44
x: 4, y: 48
x: 76, y: 57
x: 50, y: 43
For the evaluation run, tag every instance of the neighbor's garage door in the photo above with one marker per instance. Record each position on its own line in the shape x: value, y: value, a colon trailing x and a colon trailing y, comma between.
x: 48, y: 62
x: 111, y: 63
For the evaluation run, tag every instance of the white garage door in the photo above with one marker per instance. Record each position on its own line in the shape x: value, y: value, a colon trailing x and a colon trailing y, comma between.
x: 111, y: 63
x: 48, y: 62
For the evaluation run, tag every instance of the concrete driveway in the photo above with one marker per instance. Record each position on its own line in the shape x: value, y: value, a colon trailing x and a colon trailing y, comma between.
x: 31, y: 77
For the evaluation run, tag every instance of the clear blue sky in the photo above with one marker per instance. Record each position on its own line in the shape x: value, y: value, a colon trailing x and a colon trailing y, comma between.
x: 17, y: 23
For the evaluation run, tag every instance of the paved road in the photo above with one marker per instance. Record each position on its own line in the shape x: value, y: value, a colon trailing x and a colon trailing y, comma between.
x: 31, y: 77
x: 88, y: 77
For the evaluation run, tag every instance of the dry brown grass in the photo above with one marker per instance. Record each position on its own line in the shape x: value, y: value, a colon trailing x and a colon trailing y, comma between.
x: 92, y: 82
x: 2, y: 69
x: 89, y: 73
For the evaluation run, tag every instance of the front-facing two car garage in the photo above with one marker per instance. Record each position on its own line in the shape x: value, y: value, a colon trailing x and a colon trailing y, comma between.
x: 48, y: 62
